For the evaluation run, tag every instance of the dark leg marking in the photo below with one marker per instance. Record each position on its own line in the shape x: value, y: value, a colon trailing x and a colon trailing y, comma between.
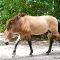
x: 30, y: 45
x: 14, y: 51
x: 51, y: 38
x: 50, y: 46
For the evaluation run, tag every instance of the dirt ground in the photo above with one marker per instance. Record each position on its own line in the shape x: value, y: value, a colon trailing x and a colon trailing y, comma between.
x: 39, y: 48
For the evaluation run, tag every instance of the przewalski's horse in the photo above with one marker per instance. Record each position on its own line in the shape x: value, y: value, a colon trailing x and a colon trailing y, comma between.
x: 27, y: 25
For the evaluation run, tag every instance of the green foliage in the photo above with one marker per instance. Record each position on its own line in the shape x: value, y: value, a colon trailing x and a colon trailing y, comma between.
x: 57, y: 8
x: 40, y: 7
x: 9, y: 8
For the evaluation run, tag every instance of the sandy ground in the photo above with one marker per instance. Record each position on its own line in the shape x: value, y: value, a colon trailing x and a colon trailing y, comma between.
x: 22, y: 53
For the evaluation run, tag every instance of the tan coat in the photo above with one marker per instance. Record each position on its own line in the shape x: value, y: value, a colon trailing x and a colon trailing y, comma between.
x: 27, y: 25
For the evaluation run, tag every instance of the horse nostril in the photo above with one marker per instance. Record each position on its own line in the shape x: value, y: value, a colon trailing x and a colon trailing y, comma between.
x: 6, y: 43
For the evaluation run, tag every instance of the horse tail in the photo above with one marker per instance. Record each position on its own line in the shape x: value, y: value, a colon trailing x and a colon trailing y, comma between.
x: 59, y: 26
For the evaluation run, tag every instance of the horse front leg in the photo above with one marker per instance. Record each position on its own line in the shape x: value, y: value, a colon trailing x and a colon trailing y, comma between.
x: 17, y: 42
x: 30, y: 45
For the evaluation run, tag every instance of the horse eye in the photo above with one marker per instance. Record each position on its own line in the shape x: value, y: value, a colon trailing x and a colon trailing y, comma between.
x: 7, y: 28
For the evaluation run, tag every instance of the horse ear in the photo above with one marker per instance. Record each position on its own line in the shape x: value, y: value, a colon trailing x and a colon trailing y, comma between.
x: 21, y: 14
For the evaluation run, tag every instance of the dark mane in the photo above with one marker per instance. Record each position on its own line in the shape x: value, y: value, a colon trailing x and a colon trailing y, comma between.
x: 14, y: 20
x: 11, y: 21
x: 17, y: 17
x: 22, y: 14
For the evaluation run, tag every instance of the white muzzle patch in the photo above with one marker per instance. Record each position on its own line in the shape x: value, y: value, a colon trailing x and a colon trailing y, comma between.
x: 7, y: 40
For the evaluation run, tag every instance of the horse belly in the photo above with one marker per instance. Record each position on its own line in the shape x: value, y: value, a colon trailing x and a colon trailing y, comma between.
x: 40, y: 29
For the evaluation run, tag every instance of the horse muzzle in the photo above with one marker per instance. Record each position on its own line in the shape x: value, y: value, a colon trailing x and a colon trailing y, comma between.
x: 6, y: 43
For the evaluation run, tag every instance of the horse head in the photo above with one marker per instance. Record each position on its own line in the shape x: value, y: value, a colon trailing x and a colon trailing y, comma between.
x: 12, y: 26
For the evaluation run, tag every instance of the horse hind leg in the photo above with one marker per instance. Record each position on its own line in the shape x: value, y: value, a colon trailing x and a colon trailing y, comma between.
x: 55, y: 34
x: 50, y: 38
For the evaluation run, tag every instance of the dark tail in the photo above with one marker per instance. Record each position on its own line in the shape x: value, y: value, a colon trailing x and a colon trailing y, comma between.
x: 59, y: 26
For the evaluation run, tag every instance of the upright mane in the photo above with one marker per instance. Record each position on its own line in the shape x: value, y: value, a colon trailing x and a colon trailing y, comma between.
x: 17, y: 17
x: 14, y: 19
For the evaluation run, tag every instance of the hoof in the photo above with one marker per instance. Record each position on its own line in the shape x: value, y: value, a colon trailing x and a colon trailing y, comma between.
x: 30, y: 55
x: 13, y: 54
x: 47, y: 53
